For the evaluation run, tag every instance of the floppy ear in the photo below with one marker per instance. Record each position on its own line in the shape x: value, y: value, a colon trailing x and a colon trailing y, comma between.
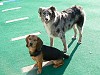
x: 27, y: 40
x: 39, y: 43
x: 53, y: 8
x: 40, y: 11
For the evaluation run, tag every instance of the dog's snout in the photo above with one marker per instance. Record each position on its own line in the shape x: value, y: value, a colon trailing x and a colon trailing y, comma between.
x: 46, y: 19
x: 31, y: 44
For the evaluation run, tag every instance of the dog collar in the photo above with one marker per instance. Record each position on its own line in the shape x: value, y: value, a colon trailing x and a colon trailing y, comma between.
x: 35, y: 53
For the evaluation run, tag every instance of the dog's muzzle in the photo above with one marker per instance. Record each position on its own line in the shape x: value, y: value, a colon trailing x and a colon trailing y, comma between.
x: 46, y: 19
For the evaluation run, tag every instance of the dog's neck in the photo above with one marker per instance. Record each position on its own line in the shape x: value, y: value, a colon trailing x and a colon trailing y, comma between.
x: 34, y: 51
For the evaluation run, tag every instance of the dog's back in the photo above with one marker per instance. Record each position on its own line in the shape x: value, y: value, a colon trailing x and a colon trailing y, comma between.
x: 71, y: 16
x: 51, y: 53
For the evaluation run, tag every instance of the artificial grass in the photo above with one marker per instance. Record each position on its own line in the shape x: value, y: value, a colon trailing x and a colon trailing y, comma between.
x: 84, y: 58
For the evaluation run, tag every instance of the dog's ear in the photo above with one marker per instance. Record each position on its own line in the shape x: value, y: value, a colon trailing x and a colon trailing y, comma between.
x: 39, y: 43
x: 53, y: 8
x: 40, y: 11
x: 27, y: 40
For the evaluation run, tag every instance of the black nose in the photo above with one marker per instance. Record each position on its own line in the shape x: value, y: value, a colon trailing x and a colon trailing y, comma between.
x: 46, y: 19
x: 31, y: 44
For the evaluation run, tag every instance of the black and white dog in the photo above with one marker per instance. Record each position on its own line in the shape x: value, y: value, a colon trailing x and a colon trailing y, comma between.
x: 57, y: 23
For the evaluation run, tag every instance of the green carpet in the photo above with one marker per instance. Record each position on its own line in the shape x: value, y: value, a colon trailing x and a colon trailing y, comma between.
x: 84, y: 59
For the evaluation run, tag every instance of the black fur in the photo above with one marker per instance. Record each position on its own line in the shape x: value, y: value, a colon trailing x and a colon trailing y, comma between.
x: 51, y: 53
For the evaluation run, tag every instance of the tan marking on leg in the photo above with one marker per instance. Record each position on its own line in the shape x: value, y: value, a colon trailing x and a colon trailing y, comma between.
x: 58, y: 63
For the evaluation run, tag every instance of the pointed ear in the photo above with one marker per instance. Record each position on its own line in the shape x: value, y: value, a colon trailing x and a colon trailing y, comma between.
x: 40, y: 11
x: 39, y: 43
x: 27, y: 40
x: 53, y: 8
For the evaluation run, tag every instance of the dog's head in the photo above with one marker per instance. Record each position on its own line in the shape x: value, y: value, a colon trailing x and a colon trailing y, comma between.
x: 33, y: 41
x: 47, y: 14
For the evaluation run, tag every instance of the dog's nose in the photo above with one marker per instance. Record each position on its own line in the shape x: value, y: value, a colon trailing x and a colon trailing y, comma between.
x: 46, y: 19
x: 31, y: 44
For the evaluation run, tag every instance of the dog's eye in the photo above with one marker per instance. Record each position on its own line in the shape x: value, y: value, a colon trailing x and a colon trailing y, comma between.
x: 29, y: 38
x: 49, y: 13
x: 35, y: 40
x: 44, y: 13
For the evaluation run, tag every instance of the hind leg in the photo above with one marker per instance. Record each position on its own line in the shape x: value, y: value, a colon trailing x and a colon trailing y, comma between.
x: 80, y: 23
x: 80, y: 34
x: 75, y: 32
x: 58, y: 63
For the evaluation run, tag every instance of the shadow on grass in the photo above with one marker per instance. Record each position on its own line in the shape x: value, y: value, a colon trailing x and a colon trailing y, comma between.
x: 49, y: 70
x: 71, y: 42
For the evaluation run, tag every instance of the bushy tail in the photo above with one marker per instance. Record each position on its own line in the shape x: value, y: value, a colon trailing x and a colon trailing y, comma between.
x: 66, y: 56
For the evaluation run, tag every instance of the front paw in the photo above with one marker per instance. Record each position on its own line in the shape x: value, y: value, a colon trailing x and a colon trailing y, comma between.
x: 65, y: 50
x: 39, y: 71
x: 35, y: 65
x: 74, y: 37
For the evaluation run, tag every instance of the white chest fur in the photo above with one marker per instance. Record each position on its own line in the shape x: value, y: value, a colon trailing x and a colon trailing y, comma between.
x: 48, y: 29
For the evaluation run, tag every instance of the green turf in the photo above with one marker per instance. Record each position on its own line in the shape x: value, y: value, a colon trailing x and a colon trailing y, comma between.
x: 84, y: 59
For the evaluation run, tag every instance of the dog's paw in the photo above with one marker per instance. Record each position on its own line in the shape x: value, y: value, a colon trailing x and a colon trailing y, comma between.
x: 35, y: 65
x: 79, y: 42
x: 58, y: 65
x: 65, y: 50
x: 74, y: 37
x: 55, y: 66
x: 39, y: 71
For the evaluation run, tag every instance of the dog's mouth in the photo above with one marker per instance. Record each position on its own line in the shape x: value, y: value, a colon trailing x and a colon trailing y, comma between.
x: 46, y: 20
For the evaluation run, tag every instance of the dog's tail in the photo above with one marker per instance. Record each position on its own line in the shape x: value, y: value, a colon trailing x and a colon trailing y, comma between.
x: 66, y: 56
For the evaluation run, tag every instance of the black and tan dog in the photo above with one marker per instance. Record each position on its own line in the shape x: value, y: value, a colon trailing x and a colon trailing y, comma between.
x: 40, y: 52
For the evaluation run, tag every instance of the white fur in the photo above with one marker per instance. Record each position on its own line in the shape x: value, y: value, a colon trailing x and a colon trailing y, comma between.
x: 48, y: 29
